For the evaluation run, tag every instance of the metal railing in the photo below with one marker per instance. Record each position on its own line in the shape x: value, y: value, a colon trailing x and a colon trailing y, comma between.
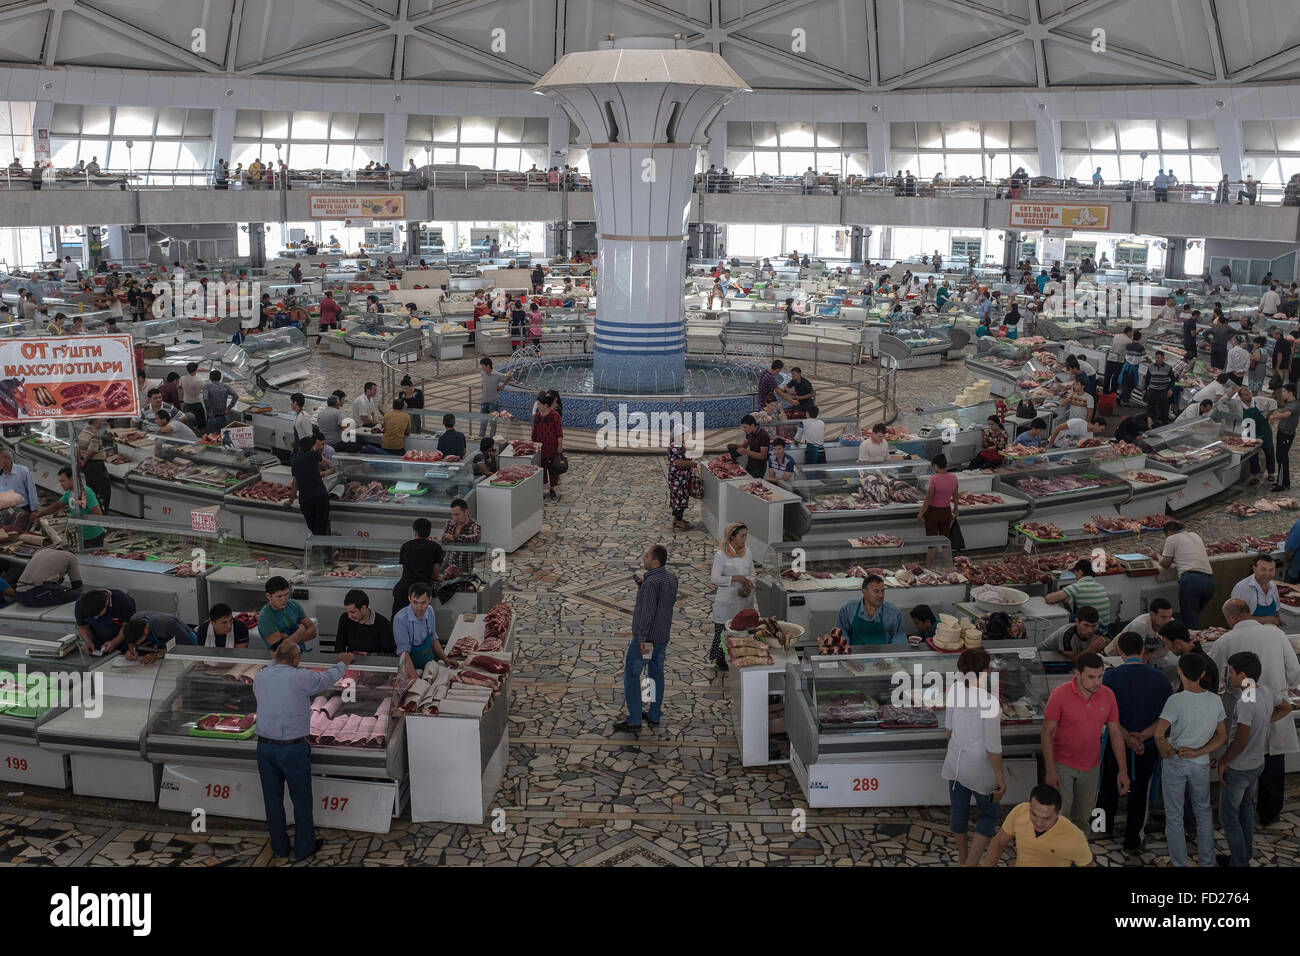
x: 238, y: 179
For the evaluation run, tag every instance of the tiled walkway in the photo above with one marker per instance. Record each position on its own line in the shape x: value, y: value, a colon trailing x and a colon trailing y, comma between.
x: 574, y: 794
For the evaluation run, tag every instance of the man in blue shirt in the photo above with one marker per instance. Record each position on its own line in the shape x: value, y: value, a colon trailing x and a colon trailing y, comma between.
x: 18, y: 478
x: 282, y: 618
x: 101, y: 614
x: 1140, y: 694
x: 451, y: 442
x: 284, y: 692
x: 415, y: 631
x: 1096, y: 178
x: 870, y: 620
x: 1034, y: 437
x: 1291, y: 546
x: 1042, y: 280
x: 652, y: 620
x: 780, y: 465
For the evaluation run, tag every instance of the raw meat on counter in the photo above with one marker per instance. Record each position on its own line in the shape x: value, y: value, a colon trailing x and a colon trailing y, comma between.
x: 1044, y: 530
x: 982, y: 498
x: 452, y: 458
x: 1115, y: 449
x: 271, y: 491
x: 833, y: 643
x: 1053, y: 486
x: 897, y: 433
x: 1263, y: 504
x: 1155, y: 521
x: 1013, y: 569
x: 1241, y: 510
x: 513, y: 475
x: 875, y: 489
x: 907, y: 716
x: 1269, y: 543
x: 227, y: 723
x: 1111, y: 524
x: 1208, y: 634
x: 496, y: 625
x: 522, y: 449
x: 723, y: 467
x: 422, y: 456
x: 879, y: 541
x: 368, y: 491
x: 1222, y: 547
x: 759, y: 489
x: 1093, y: 442
x: 1020, y: 451
x: 1236, y: 441
x: 1145, y: 477
x: 463, y: 647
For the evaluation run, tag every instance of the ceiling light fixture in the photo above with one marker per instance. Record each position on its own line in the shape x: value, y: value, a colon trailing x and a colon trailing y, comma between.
x: 230, y: 92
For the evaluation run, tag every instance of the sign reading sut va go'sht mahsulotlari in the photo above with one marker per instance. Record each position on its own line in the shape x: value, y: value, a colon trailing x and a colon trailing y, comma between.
x: 1040, y: 215
x: 356, y: 206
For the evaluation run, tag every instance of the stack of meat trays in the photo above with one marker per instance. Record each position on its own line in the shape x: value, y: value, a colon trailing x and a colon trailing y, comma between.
x: 477, y: 685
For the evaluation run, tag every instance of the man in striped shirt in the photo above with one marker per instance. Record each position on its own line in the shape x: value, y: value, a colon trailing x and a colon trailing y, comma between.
x: 1159, y: 389
x: 1084, y: 591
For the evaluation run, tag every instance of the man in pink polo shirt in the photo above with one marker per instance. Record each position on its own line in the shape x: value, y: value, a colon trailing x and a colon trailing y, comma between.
x: 1076, y: 714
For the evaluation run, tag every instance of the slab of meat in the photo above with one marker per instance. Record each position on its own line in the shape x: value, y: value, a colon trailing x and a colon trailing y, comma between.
x: 908, y: 716
x: 491, y: 664
x: 723, y: 467
x: 880, y: 541
x: 1044, y: 530
x: 1020, y: 451
x: 514, y: 474
x: 759, y: 489
x: 379, y: 735
x: 972, y: 498
x: 422, y: 456
x: 1236, y: 441
x: 522, y: 449
x: 271, y: 491
x: 496, y: 625
x: 1241, y: 510
x: 1145, y: 477
x: 478, y: 680
x: 370, y: 491
x: 463, y: 647
x: 1155, y: 521
x: 1115, y: 449
x: 1112, y: 524
x: 1263, y: 504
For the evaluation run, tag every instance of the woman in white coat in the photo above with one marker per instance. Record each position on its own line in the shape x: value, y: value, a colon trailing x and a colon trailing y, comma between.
x: 733, y: 574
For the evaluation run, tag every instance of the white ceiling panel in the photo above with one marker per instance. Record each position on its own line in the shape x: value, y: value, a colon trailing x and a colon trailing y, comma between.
x: 843, y: 45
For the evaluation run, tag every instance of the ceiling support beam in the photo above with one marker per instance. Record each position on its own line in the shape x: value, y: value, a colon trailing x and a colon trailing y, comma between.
x: 776, y: 10
x: 1216, y: 39
x: 1074, y: 13
x: 873, y: 44
x: 954, y: 59
x: 136, y: 34
x: 1133, y: 59
x: 232, y: 38
x: 1266, y: 65
x: 52, y: 36
x: 488, y: 60
x: 807, y: 66
x: 317, y: 50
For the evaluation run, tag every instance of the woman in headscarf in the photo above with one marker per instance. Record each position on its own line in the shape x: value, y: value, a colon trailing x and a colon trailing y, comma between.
x: 733, y: 574
x: 680, y: 470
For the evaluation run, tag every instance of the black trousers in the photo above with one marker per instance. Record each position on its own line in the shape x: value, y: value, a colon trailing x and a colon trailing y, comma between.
x: 1141, y: 769
x: 97, y: 477
x: 1158, y: 406
x: 316, y: 511
x: 1111, y: 380
x: 1272, y: 788
x: 1284, y: 441
x: 47, y: 595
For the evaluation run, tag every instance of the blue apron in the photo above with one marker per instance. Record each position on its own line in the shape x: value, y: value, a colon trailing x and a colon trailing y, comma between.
x: 422, y: 653
x: 1266, y: 610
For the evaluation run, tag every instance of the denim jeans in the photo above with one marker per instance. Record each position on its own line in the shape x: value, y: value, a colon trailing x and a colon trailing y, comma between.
x: 986, y: 821
x: 487, y: 408
x: 1237, y: 812
x: 1195, y: 590
x: 276, y: 765
x: 632, y: 668
x: 1191, y: 778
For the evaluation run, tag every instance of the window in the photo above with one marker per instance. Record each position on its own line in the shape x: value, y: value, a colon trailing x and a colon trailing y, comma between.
x: 308, y: 139
x: 168, y: 146
x: 1272, y: 149
x: 1187, y: 148
x: 488, y: 142
x: 961, y: 149
x: 16, y: 133
x: 963, y: 247
x: 788, y: 149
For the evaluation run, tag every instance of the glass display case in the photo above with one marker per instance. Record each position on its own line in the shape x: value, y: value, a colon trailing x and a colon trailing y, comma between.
x: 32, y: 685
x: 840, y: 706
x: 203, y: 710
x: 1065, y: 488
x: 279, y: 349
x: 837, y: 498
x: 914, y: 344
x: 154, y: 330
x: 1190, y: 447
x: 184, y: 475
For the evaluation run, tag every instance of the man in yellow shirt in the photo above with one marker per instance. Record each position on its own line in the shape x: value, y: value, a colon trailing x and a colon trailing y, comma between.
x: 397, y: 425
x: 1043, y: 837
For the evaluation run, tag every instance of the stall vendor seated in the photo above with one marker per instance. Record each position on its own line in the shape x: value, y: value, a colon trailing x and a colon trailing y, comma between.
x: 100, y: 615
x: 282, y: 618
x: 870, y: 619
x: 1084, y: 591
x: 923, y: 621
x: 1259, y: 591
x: 1082, y: 637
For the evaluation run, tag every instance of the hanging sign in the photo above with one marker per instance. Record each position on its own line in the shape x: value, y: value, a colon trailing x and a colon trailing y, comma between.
x: 72, y: 377
x: 356, y: 205
x: 1046, y: 215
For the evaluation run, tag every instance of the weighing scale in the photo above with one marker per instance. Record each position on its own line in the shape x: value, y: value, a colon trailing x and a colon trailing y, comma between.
x: 1138, y: 565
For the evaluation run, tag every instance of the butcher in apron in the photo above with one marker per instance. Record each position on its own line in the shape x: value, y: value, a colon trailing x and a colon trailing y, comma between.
x: 870, y: 620
x: 1259, y: 591
x: 415, y: 631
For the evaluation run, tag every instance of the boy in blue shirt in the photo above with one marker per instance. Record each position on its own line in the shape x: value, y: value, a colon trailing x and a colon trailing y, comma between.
x: 780, y: 466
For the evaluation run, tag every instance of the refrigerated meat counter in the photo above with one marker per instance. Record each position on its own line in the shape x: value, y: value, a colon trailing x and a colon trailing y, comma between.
x: 807, y: 583
x: 1064, y: 489
x: 913, y: 346
x: 852, y: 746
x: 184, y: 476
x: 358, y: 785
x: 1199, y: 451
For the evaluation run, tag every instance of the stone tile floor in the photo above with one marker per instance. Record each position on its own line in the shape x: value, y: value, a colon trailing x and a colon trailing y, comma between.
x: 574, y: 794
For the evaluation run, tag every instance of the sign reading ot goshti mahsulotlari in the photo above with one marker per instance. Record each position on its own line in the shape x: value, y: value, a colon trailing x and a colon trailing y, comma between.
x: 83, y: 376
